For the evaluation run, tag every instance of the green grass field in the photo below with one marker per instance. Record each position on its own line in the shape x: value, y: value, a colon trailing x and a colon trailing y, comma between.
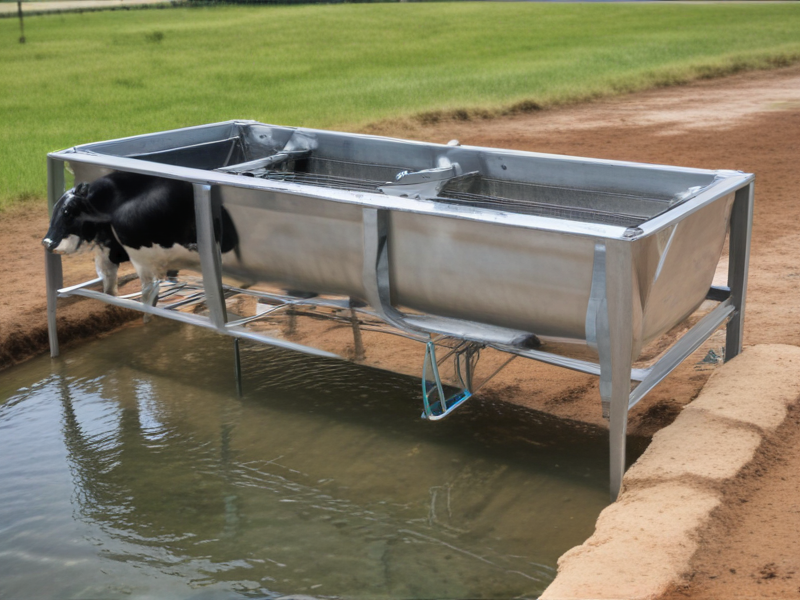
x: 96, y: 76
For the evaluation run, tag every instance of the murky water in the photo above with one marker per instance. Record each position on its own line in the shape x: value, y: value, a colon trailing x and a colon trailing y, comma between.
x: 130, y: 469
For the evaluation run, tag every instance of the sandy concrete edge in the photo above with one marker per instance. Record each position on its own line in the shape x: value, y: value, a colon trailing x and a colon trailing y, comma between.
x: 644, y: 542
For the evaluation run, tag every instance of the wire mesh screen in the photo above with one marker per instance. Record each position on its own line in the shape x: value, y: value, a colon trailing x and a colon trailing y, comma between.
x: 575, y: 204
x: 336, y: 174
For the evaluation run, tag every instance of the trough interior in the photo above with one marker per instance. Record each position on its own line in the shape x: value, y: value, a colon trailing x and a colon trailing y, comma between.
x: 517, y: 183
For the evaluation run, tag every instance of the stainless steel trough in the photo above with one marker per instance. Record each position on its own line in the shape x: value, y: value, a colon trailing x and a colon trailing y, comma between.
x: 594, y: 258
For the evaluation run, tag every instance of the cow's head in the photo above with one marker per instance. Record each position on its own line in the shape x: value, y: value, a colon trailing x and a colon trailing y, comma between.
x: 71, y: 223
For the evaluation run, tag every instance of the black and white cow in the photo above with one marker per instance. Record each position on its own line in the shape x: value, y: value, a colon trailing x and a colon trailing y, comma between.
x: 151, y: 220
x: 75, y: 224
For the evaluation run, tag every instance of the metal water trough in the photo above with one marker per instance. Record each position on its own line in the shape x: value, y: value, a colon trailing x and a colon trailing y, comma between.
x: 591, y: 259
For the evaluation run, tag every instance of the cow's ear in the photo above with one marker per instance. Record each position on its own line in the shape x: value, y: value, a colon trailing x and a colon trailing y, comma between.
x: 82, y: 189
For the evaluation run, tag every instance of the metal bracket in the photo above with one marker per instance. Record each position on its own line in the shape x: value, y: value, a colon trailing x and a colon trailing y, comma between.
x: 264, y: 164
x: 376, y: 270
x: 421, y: 184
x: 436, y: 405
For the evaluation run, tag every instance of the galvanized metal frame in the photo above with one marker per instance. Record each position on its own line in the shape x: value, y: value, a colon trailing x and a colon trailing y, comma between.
x: 608, y: 320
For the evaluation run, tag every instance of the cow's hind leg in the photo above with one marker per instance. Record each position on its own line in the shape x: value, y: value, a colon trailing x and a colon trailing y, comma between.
x: 106, y: 270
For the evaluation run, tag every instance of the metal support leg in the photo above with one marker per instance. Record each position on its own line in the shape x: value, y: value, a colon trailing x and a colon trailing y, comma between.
x: 357, y: 341
x: 615, y: 340
x: 55, y: 281
x: 237, y: 367
x: 207, y: 210
x: 55, y: 183
x: 739, y: 259
x: 291, y: 322
x: 597, y: 325
x: 52, y: 262
x: 210, y: 259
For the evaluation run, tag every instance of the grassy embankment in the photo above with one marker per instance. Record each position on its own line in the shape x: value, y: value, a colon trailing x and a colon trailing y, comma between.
x: 96, y: 76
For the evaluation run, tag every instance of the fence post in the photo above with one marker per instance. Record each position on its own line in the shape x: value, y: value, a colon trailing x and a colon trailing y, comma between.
x: 21, y: 24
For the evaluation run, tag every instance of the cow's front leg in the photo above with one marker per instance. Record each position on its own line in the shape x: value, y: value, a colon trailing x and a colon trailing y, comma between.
x: 150, y: 286
x: 106, y: 270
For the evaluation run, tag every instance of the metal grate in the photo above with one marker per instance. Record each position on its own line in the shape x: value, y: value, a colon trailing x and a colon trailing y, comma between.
x: 351, y: 170
x: 336, y: 174
x: 328, y: 181
x: 574, y: 204
x: 526, y: 207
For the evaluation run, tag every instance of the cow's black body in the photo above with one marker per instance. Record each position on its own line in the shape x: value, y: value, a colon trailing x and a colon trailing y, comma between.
x: 127, y: 215
x: 162, y: 213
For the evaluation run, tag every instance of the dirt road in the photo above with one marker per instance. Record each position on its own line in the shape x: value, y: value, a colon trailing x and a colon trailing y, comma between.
x: 749, y: 122
x: 10, y: 8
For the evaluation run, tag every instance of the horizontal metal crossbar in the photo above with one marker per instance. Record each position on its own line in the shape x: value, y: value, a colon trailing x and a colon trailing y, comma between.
x: 647, y: 378
x: 192, y: 319
x: 574, y: 364
x: 690, y: 342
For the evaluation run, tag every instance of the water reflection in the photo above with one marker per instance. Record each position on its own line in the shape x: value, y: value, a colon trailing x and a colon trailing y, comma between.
x: 322, y: 480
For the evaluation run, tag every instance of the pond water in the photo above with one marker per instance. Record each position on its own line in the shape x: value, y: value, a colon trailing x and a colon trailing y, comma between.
x: 130, y: 469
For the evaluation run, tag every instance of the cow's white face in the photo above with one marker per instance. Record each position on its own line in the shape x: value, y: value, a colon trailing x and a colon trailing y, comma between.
x: 68, y: 245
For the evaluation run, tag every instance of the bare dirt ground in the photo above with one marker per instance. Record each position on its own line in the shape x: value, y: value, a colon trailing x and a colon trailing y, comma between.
x: 749, y: 122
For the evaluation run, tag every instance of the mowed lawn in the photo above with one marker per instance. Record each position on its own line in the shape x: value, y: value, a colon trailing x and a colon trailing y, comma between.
x: 96, y: 76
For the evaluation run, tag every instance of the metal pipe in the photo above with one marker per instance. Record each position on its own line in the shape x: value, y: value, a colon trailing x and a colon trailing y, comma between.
x: 200, y: 321
x: 690, y: 342
x: 573, y: 364
x: 77, y: 286
x: 54, y: 278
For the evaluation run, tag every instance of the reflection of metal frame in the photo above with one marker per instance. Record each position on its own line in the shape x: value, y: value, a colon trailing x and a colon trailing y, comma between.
x: 609, y: 327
